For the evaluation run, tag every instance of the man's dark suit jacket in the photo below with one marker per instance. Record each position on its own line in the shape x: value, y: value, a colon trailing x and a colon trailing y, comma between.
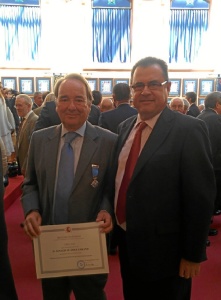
x: 94, y: 115
x: 11, y: 104
x: 213, y: 122
x: 7, y: 287
x: 193, y: 110
x: 49, y: 117
x: 111, y: 119
x: 34, y: 106
x: 170, y: 197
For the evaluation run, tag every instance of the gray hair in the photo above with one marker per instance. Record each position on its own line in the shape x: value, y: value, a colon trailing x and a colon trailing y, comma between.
x: 27, y: 99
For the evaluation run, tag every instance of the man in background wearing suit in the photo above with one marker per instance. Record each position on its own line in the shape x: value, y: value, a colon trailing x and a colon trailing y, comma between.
x: 37, y: 100
x: 111, y: 119
x: 163, y: 222
x: 121, y: 96
x: 23, y: 104
x: 7, y: 286
x: 193, y: 110
x: 48, y: 116
x: 88, y: 200
x: 211, y: 115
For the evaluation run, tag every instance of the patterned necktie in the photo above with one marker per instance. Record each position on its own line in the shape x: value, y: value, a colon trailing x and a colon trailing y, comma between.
x: 21, y: 124
x: 129, y: 168
x: 65, y: 180
x: 19, y: 130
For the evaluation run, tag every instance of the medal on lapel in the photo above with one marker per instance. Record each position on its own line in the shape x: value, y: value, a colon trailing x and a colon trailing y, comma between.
x: 95, y: 169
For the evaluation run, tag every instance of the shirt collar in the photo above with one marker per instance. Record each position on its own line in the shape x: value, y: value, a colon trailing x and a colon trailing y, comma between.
x: 80, y: 130
x: 150, y: 122
x: 28, y: 114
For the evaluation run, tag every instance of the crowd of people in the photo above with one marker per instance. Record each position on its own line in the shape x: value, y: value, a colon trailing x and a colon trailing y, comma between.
x: 147, y: 170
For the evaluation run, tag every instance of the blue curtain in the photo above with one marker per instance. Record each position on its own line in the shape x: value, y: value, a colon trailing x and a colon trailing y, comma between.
x: 187, y: 27
x: 111, y: 35
x: 20, y: 29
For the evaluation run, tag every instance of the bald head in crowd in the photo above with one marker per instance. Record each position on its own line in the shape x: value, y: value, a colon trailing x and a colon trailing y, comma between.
x: 177, y: 104
x: 106, y: 104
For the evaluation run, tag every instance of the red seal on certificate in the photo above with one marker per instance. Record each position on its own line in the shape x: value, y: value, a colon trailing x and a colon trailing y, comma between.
x: 68, y: 229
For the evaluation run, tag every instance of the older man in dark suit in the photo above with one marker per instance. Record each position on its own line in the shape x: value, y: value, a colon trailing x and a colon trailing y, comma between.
x: 23, y: 104
x: 7, y: 287
x: 164, y: 199
x: 87, y: 201
x: 121, y: 96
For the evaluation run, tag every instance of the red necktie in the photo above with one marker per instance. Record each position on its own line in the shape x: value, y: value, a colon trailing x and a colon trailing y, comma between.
x: 129, y: 168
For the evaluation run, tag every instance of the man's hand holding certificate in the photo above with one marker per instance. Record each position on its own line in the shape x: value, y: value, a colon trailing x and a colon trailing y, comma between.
x: 70, y: 249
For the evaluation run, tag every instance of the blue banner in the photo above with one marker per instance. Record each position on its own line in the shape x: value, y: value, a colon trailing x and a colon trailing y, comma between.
x: 111, y: 3
x: 20, y: 2
x: 188, y: 4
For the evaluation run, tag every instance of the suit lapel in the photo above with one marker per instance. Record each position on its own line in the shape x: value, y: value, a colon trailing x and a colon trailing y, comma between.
x: 156, y: 139
x: 24, y: 128
x: 88, y: 148
x: 51, y: 151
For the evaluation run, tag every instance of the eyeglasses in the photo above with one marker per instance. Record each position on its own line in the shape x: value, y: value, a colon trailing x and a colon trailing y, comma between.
x: 152, y: 85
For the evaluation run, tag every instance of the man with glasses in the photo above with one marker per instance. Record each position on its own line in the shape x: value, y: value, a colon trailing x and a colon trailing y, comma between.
x: 164, y: 198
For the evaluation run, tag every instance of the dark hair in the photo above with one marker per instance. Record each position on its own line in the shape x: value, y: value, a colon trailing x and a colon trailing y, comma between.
x: 149, y: 61
x: 14, y: 92
x: 97, y: 97
x: 121, y: 91
x: 44, y: 94
x: 37, y: 94
x: 211, y: 99
x: 77, y: 77
x: 192, y: 96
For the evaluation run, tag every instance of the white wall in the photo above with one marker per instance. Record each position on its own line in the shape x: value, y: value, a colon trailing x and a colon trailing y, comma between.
x: 66, y: 39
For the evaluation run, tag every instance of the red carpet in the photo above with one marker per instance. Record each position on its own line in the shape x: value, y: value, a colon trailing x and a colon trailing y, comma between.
x: 205, y: 287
